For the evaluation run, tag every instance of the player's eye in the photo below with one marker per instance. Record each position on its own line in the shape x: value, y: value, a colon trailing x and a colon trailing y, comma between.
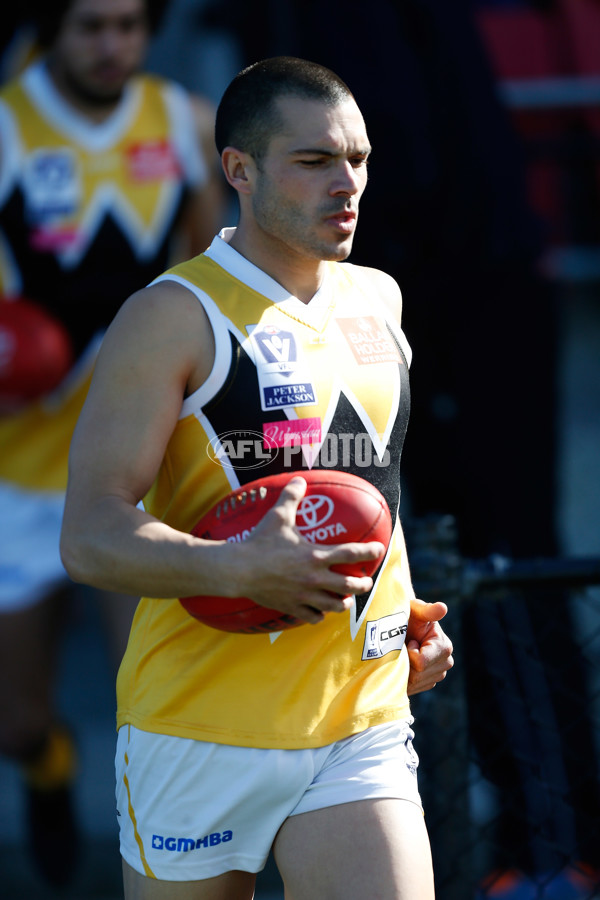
x: 90, y: 27
x: 130, y: 24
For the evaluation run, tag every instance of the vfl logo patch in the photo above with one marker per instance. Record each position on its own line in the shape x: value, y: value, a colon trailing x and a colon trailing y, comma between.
x: 283, y: 377
x: 384, y: 635
x: 51, y: 184
x: 277, y: 347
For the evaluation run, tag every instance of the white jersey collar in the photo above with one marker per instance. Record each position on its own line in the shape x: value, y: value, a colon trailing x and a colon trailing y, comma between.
x: 93, y: 136
x: 241, y: 268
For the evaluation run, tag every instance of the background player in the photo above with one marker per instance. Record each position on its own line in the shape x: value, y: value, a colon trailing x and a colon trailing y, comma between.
x: 106, y: 174
x: 231, y: 744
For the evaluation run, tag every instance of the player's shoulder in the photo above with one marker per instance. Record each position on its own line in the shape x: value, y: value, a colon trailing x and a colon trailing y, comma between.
x: 198, y: 110
x: 164, y: 312
x: 12, y: 93
x: 379, y: 283
x: 12, y: 110
x: 203, y: 113
x: 200, y: 105
x: 10, y: 90
x: 163, y: 301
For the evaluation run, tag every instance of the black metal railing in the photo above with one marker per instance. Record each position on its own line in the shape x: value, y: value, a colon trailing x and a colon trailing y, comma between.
x: 509, y: 742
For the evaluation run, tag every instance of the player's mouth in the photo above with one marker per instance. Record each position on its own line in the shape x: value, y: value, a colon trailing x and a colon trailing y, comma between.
x: 344, y: 221
x: 109, y: 74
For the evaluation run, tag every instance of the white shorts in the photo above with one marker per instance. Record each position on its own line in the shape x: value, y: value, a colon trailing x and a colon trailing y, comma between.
x: 30, y: 564
x: 190, y: 810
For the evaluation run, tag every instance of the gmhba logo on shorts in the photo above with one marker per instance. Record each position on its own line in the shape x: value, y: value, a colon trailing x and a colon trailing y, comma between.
x: 385, y: 635
x: 184, y: 845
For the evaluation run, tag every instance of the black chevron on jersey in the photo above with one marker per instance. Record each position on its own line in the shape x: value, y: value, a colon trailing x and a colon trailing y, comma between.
x: 240, y: 391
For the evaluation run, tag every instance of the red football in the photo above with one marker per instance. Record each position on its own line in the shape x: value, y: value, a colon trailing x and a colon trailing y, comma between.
x: 35, y: 353
x: 337, y: 508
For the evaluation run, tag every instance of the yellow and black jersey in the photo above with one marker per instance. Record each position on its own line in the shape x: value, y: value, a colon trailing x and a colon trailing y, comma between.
x: 293, y: 386
x: 87, y: 212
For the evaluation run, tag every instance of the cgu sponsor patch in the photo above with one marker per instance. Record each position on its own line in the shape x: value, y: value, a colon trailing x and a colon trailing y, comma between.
x: 369, y: 340
x: 384, y: 635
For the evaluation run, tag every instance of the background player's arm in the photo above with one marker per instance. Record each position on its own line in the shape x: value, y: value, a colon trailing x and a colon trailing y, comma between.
x: 158, y: 349
x: 203, y: 214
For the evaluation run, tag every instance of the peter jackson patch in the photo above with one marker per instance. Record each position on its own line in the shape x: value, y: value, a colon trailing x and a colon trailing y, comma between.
x: 283, y: 376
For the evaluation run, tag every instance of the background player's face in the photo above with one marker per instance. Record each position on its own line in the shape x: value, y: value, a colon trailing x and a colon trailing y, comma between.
x: 311, y: 179
x: 100, y: 45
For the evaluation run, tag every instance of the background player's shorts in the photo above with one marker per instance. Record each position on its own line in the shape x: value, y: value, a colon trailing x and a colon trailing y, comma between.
x: 190, y: 810
x: 30, y: 564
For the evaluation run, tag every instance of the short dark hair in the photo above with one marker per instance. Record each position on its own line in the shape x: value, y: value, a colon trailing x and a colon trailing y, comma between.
x: 247, y: 117
x: 46, y: 17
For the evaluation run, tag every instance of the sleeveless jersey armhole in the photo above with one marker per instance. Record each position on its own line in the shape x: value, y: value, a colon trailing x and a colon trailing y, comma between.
x: 221, y: 327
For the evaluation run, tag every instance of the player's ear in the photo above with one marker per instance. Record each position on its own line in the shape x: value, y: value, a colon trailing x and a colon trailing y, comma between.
x: 239, y: 169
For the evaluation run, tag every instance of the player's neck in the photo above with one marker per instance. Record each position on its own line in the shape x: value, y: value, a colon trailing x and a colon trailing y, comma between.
x: 299, y: 275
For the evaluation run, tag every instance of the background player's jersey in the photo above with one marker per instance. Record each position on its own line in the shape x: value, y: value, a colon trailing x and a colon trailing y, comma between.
x: 87, y: 213
x: 293, y: 386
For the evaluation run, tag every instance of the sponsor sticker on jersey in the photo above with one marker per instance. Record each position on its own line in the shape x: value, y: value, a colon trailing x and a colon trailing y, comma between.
x: 50, y: 239
x: 152, y: 160
x: 292, y: 432
x: 51, y: 184
x: 283, y: 376
x: 384, y: 635
x: 369, y: 340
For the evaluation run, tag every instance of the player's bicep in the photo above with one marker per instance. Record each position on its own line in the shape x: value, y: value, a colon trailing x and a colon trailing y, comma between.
x: 121, y: 432
x: 141, y: 375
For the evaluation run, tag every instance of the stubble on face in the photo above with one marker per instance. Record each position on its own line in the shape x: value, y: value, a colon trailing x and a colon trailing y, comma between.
x: 289, y: 224
x: 291, y: 211
x: 91, y: 71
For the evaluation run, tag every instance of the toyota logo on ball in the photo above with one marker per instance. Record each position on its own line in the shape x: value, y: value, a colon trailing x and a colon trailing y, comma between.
x: 313, y: 512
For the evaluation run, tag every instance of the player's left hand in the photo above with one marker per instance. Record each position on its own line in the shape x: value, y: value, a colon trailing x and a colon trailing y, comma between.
x: 429, y: 648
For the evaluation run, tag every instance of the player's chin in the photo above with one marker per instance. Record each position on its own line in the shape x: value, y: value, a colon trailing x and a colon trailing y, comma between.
x: 103, y: 95
x: 107, y: 87
x: 340, y: 251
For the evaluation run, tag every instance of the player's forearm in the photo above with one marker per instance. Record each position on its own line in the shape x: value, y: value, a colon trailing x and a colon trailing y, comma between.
x: 122, y: 548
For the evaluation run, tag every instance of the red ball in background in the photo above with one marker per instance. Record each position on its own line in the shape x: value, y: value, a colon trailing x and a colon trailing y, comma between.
x: 338, y: 508
x: 35, y: 353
